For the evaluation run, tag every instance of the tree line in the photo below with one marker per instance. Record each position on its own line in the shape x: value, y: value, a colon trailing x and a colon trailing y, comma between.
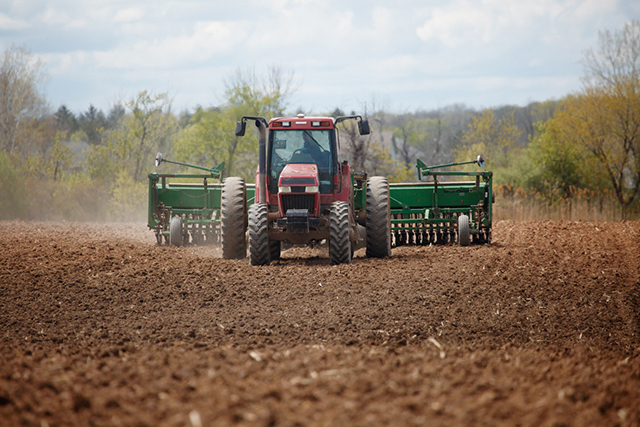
x: 93, y: 165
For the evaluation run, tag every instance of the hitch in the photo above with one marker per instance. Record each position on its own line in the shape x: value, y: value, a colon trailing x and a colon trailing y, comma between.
x: 426, y: 170
x: 216, y: 172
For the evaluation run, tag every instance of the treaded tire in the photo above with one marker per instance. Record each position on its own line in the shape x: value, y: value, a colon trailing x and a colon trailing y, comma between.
x: 175, y: 231
x: 463, y: 230
x: 275, y: 248
x: 259, y: 248
x: 233, y: 219
x: 378, y: 217
x: 339, y: 243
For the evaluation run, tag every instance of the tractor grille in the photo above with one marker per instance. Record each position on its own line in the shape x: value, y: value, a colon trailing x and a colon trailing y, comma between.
x: 298, y: 201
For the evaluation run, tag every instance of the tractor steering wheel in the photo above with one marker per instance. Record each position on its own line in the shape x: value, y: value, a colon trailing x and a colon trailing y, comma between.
x: 278, y: 161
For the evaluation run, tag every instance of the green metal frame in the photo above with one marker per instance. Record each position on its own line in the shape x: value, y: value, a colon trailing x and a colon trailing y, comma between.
x: 431, y: 208
x: 197, y: 203
x: 434, y: 207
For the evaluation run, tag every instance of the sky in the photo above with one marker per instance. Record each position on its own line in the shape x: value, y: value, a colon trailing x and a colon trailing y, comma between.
x: 397, y: 55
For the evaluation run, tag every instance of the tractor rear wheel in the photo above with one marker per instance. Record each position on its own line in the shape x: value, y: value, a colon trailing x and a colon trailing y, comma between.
x: 463, y: 230
x: 175, y: 231
x: 378, y: 217
x: 339, y: 243
x: 259, y: 248
x: 233, y: 219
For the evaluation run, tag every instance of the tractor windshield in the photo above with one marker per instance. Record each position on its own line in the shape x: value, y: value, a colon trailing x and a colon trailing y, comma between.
x: 301, y: 146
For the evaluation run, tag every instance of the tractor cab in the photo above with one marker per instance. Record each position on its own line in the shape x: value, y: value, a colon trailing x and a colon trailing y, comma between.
x: 301, y: 165
x: 290, y: 149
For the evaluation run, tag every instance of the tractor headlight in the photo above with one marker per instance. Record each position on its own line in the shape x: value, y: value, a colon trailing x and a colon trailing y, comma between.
x: 299, y: 189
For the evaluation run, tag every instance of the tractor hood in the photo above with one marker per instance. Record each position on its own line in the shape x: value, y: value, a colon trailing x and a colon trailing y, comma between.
x: 298, y: 191
x: 295, y: 174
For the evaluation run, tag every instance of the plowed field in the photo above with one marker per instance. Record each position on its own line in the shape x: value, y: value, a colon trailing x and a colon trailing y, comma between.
x: 99, y: 326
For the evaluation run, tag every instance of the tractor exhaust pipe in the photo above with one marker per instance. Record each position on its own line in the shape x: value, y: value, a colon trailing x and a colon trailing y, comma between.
x: 261, y: 124
x: 262, y: 166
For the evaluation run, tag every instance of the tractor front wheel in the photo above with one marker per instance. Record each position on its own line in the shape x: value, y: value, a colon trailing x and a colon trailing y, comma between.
x: 339, y: 243
x: 259, y: 248
x: 378, y: 217
x: 233, y: 220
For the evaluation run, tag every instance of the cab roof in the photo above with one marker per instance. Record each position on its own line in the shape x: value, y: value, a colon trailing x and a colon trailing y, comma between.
x: 302, y: 122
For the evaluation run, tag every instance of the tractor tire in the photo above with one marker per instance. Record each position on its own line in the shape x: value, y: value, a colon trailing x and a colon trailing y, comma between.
x: 175, y: 231
x: 259, y: 248
x: 233, y: 219
x: 339, y: 243
x: 378, y: 217
x: 275, y: 248
x: 463, y: 230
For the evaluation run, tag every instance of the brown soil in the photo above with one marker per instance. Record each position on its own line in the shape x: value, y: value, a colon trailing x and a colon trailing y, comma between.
x: 98, y: 326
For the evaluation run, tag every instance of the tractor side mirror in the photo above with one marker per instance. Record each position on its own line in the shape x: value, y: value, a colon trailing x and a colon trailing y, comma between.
x: 158, y: 159
x: 363, y: 127
x: 241, y: 126
x: 481, y: 161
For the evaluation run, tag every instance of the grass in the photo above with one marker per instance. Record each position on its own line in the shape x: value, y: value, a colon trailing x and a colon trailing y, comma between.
x: 516, y: 204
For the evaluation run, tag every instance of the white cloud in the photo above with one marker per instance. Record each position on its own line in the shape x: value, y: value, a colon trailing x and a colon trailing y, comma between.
x: 419, y: 52
x: 8, y: 24
x: 52, y: 16
x: 588, y: 8
x: 302, y: 24
x: 206, y: 40
x: 464, y: 22
x: 67, y: 62
x: 129, y: 14
x: 454, y: 27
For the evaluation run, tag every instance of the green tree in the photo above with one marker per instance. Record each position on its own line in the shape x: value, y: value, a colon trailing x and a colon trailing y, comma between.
x: 92, y: 122
x: 407, y: 139
x: 101, y: 161
x: 606, y: 115
x: 380, y: 163
x: 66, y: 121
x: 596, y: 133
x: 423, y: 138
x: 115, y: 114
x: 23, y: 106
x: 561, y: 166
x: 209, y: 137
x: 128, y: 197
x: 148, y: 129
x: 603, y: 125
x: 496, y: 139
x: 13, y: 189
x: 126, y: 152
x: 269, y: 94
x: 60, y: 159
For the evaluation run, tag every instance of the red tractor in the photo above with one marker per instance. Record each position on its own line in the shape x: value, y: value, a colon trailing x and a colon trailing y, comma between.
x: 305, y: 194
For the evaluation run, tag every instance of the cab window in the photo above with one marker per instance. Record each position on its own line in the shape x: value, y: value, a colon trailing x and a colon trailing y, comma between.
x: 301, y: 146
